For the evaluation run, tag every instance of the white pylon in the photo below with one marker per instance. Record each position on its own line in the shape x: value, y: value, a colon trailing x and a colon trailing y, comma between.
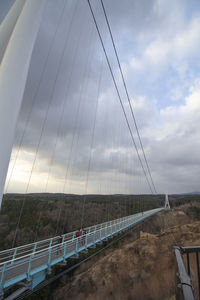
x: 8, y: 25
x: 13, y: 74
x: 167, y: 205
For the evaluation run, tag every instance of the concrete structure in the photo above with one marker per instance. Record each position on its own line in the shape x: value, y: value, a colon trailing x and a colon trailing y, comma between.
x: 16, y: 49
x: 8, y: 25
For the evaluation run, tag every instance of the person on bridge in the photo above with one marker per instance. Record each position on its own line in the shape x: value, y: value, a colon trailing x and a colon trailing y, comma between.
x: 78, y: 234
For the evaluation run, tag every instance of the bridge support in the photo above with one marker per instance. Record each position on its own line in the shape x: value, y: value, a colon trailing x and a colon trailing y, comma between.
x: 8, y: 25
x: 167, y: 205
x: 13, y: 75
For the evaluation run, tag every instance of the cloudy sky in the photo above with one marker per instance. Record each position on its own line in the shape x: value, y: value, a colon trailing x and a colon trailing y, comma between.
x: 71, y: 134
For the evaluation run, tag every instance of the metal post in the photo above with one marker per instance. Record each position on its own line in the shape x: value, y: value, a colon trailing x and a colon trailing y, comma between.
x: 188, y: 263
x: 14, y: 255
x: 120, y: 225
x: 49, y: 259
x: 35, y: 247
x: 198, y: 271
x: 51, y: 241
x: 101, y: 232
x: 29, y: 268
x: 94, y: 237
x: 86, y: 237
x: 2, y: 277
x: 65, y: 250
x: 77, y: 245
x: 63, y: 238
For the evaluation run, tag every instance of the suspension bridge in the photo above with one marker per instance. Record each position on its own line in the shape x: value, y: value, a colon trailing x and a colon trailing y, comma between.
x: 20, y: 35
x: 34, y: 261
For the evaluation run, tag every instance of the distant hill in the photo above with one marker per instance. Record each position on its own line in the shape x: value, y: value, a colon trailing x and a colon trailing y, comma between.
x: 185, y: 194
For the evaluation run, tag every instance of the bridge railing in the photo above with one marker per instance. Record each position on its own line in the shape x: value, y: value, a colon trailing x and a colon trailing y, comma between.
x: 69, y: 246
x: 14, y: 253
x: 183, y: 283
x: 111, y: 227
x: 24, y: 267
x: 36, y: 246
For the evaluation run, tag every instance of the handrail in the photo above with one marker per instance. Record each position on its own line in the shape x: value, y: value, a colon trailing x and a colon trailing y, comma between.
x: 56, y: 237
x: 24, y: 267
x: 56, y: 245
x: 89, y: 233
x: 184, y: 286
x: 66, y: 235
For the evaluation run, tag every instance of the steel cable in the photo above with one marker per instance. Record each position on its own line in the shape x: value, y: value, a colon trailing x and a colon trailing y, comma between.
x: 41, y: 133
x: 118, y: 94
x: 127, y: 94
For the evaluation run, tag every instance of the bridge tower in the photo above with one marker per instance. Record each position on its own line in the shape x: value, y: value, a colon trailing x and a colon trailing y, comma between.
x: 18, y: 33
x: 167, y: 205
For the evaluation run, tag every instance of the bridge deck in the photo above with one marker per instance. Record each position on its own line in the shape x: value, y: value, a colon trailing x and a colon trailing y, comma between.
x: 33, y: 261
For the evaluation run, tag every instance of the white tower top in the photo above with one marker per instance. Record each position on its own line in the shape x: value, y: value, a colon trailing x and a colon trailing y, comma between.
x: 167, y: 205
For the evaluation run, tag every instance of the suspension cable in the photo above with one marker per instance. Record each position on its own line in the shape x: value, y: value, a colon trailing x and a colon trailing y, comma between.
x: 92, y: 143
x: 127, y: 94
x: 60, y: 122
x: 118, y: 94
x: 41, y: 134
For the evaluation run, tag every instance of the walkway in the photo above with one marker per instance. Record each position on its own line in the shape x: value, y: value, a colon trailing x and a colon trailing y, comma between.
x: 33, y: 261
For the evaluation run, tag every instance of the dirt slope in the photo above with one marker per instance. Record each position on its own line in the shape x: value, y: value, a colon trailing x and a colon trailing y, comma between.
x: 137, y: 269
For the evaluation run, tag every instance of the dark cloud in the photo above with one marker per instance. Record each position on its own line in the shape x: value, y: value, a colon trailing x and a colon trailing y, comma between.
x: 69, y: 84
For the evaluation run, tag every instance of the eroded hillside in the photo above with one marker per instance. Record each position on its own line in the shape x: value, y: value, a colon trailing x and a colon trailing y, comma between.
x: 136, y: 268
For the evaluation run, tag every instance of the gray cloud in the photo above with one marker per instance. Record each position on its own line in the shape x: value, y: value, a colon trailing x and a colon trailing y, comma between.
x: 69, y: 79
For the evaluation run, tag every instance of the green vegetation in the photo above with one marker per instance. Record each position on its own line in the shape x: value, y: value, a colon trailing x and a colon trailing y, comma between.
x: 46, y: 215
x: 177, y: 200
x: 194, y: 212
x: 45, y: 292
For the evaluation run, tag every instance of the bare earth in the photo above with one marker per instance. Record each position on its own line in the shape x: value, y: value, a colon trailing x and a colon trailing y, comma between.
x: 135, y: 269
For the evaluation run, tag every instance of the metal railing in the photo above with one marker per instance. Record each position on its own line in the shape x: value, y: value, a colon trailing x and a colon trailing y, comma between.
x: 187, y: 273
x: 17, y: 252
x: 14, y: 253
x: 24, y: 262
